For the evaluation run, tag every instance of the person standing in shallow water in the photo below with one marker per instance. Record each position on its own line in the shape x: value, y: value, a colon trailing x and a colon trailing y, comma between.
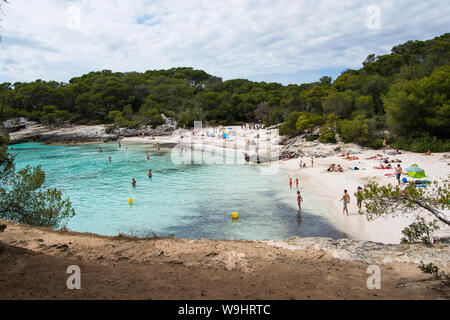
x: 346, y: 199
x: 133, y: 182
x: 148, y: 156
x: 150, y: 173
x: 299, y: 201
x: 109, y: 159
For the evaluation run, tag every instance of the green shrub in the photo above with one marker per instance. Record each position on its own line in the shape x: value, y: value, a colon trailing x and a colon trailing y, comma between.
x: 312, y: 137
x: 327, y: 136
x: 421, y: 144
x: 288, y: 128
x: 94, y: 122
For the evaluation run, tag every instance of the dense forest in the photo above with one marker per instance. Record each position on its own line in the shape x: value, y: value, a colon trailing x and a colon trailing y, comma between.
x: 402, y: 96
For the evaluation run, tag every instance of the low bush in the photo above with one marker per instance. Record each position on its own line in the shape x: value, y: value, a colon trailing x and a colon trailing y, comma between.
x: 421, y: 144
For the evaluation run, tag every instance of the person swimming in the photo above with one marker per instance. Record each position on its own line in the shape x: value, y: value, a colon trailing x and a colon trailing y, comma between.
x: 133, y: 182
x: 150, y: 173
x: 100, y: 149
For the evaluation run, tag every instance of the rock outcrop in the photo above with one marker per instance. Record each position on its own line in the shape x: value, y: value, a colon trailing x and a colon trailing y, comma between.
x: 68, y: 134
x: 299, y: 146
x: 21, y: 130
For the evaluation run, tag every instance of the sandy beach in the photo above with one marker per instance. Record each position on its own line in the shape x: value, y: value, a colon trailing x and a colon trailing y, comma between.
x: 325, y: 185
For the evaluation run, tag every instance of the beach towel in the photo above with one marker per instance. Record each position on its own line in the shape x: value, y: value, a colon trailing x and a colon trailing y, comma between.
x: 422, y: 182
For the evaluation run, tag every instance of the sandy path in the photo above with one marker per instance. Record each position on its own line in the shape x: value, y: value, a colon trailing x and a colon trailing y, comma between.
x: 34, y: 261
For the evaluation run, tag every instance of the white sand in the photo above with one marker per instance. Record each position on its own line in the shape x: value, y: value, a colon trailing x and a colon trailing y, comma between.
x: 328, y: 186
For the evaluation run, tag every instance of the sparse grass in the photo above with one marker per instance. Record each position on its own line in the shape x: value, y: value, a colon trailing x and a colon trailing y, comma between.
x: 143, y: 234
x: 432, y: 269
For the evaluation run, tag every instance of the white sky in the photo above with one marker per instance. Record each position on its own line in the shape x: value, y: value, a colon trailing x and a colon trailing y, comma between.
x: 288, y: 41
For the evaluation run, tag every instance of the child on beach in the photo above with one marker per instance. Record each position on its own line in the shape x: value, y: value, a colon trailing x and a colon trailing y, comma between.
x: 290, y: 182
x: 346, y: 199
x: 296, y: 182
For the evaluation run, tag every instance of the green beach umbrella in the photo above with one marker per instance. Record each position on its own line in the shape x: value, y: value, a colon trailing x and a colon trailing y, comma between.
x: 415, y: 172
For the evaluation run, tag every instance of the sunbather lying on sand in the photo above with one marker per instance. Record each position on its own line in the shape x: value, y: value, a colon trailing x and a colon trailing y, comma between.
x: 332, y: 168
x: 381, y: 166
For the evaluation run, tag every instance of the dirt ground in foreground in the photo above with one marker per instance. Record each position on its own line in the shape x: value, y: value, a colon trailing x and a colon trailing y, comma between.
x: 33, y: 265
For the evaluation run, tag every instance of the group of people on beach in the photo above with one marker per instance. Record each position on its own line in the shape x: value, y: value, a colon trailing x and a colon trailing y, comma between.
x: 334, y: 168
x: 346, y: 200
x: 302, y: 165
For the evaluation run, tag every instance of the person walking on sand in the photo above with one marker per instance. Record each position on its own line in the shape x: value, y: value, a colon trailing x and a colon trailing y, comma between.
x: 359, y: 199
x: 346, y: 199
x: 384, y: 145
x: 299, y: 201
x: 398, y: 173
x: 290, y: 182
x: 296, y: 182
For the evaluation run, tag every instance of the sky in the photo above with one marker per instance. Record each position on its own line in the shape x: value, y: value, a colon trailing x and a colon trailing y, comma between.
x: 286, y: 41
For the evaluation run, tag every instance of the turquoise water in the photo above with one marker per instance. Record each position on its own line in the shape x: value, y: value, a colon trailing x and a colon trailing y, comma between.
x: 181, y: 200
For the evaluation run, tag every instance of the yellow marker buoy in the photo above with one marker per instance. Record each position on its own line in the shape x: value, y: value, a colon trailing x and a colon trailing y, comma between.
x: 130, y: 201
x: 235, y: 215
